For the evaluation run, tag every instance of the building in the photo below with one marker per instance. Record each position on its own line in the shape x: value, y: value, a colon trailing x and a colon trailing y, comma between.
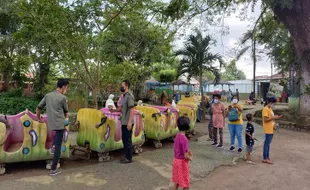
x: 263, y: 83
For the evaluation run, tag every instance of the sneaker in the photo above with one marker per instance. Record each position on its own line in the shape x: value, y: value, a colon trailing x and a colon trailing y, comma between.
x: 52, y: 150
x: 239, y: 150
x: 55, y: 172
x: 214, y: 144
x: 232, y: 148
x: 220, y: 146
x: 125, y: 161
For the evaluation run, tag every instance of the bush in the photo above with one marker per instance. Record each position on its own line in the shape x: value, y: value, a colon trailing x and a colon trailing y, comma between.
x: 14, y: 92
x: 167, y: 75
x: 15, y: 105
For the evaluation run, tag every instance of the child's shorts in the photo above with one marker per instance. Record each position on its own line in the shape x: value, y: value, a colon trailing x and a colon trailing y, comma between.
x: 249, y: 148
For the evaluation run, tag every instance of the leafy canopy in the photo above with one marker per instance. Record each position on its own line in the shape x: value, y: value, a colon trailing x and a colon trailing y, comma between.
x: 196, y: 57
x: 232, y: 72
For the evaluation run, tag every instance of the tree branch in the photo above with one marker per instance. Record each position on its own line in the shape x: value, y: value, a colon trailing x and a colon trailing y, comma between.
x: 197, y: 13
x: 115, y: 16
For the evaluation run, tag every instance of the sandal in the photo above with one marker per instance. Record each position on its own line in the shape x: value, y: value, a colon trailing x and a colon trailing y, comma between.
x: 267, y: 162
x: 269, y: 159
x: 250, y: 162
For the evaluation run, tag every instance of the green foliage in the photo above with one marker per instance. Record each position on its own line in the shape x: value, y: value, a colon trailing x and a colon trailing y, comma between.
x: 208, y: 75
x: 18, y: 92
x: 113, y: 75
x: 133, y: 38
x: 14, y: 105
x: 283, y: 82
x: 232, y: 72
x: 278, y: 42
x: 196, y: 57
x: 165, y: 71
x: 307, y: 89
x: 86, y: 38
x: 168, y: 75
x: 176, y: 9
x: 14, y: 61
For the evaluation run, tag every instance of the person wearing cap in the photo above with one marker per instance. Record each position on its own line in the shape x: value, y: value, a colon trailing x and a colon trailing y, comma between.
x: 269, y: 126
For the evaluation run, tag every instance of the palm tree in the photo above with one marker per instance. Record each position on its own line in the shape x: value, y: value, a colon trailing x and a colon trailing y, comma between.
x: 250, y: 35
x: 197, y: 59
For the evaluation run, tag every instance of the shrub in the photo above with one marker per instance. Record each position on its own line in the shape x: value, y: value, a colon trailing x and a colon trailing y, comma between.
x: 167, y: 75
x: 15, y: 105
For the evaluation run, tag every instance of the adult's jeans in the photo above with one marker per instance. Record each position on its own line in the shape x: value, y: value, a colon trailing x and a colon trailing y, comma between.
x: 57, y: 143
x: 268, y: 139
x: 235, y: 130
x: 127, y: 142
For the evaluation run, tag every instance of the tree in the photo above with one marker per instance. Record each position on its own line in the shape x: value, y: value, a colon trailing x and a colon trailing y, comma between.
x: 197, y: 59
x: 277, y: 41
x: 113, y: 75
x: 208, y: 75
x: 133, y: 38
x: 232, y: 72
x: 167, y: 75
x: 294, y: 14
x: 14, y: 58
x: 250, y: 35
x: 85, y: 37
x: 166, y: 71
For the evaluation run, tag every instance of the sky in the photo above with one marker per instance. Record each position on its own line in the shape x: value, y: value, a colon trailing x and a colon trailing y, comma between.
x: 230, y: 41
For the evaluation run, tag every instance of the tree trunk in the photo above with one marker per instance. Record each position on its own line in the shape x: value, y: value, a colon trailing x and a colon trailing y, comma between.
x: 297, y: 21
x: 6, y: 81
x: 254, y: 65
x: 201, y: 94
x: 95, y: 96
x: 305, y: 96
x: 41, y: 79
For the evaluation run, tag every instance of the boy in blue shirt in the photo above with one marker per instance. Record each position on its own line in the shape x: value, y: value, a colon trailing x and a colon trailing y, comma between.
x: 249, y: 138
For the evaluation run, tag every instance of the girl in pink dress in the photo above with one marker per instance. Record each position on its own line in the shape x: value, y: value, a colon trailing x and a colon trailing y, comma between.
x: 180, y: 166
x: 218, y: 112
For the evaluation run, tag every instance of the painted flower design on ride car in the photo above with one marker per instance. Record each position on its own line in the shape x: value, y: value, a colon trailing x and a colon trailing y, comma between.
x: 107, y: 133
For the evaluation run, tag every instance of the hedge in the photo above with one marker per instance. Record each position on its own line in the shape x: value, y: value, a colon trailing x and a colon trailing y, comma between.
x: 15, y: 105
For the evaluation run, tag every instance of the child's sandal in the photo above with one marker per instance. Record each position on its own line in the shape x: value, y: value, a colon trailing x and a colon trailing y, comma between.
x: 250, y: 162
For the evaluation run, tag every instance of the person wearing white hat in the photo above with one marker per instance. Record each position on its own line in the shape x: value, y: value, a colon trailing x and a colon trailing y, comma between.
x: 110, y: 103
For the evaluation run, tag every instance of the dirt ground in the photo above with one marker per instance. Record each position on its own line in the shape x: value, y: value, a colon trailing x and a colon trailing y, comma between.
x: 290, y: 152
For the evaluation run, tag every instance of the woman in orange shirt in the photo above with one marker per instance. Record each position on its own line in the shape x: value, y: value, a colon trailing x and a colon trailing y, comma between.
x: 268, y: 125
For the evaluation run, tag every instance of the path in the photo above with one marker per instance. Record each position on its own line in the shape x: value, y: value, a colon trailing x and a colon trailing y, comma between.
x: 290, y: 152
x: 151, y: 170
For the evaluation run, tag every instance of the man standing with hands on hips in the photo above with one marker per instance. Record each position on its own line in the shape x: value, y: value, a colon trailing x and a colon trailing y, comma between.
x: 57, y: 117
x: 127, y: 120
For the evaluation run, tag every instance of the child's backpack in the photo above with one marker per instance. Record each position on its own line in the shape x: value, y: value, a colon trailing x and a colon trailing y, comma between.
x: 233, y: 115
